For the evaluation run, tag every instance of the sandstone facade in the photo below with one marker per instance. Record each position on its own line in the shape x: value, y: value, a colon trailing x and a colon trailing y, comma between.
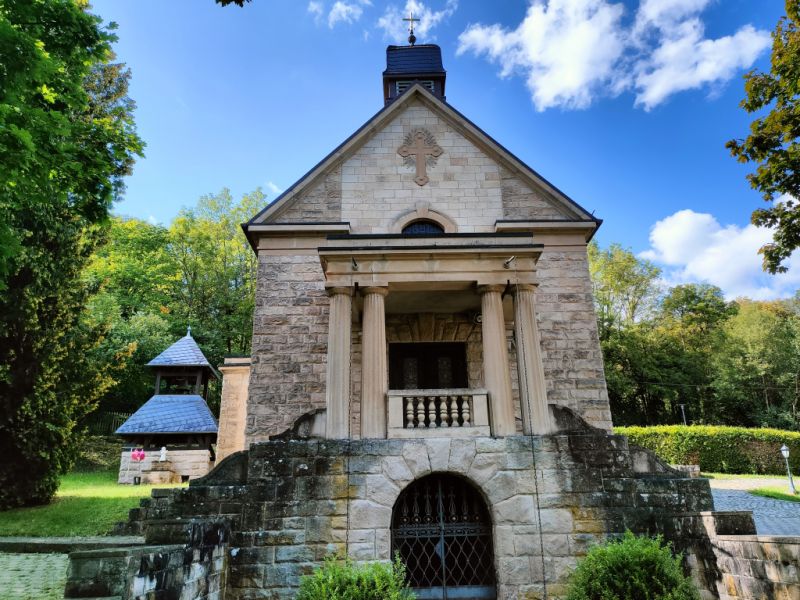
x: 369, y: 190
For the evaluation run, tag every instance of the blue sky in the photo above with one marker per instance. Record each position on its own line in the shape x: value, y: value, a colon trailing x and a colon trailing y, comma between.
x: 625, y: 105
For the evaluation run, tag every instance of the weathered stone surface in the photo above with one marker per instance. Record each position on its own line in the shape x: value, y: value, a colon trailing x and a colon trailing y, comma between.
x: 288, y: 518
x: 415, y: 453
x: 438, y: 453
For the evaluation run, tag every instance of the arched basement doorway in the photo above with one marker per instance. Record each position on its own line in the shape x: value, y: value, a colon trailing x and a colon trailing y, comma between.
x: 443, y: 533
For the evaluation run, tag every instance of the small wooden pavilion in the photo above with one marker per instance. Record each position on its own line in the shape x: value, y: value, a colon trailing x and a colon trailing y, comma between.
x: 176, y: 419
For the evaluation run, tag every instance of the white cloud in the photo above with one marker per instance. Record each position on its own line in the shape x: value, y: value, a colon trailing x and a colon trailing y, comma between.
x: 341, y: 11
x: 152, y: 220
x: 273, y: 188
x: 684, y: 59
x: 346, y: 12
x: 695, y: 247
x: 571, y: 52
x: 316, y: 9
x: 566, y: 49
x: 395, y: 29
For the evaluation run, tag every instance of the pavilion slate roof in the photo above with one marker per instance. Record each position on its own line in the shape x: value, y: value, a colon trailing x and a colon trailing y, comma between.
x: 183, y: 353
x: 171, y: 413
x: 414, y: 60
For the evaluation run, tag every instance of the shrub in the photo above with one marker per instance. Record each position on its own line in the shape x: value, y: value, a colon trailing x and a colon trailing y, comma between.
x: 719, y: 449
x: 339, y: 579
x: 633, y: 568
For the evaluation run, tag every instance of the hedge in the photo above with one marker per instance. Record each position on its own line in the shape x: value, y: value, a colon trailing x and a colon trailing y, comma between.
x: 719, y: 449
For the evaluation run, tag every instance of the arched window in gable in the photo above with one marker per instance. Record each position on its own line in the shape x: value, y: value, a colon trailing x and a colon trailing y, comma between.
x: 423, y: 227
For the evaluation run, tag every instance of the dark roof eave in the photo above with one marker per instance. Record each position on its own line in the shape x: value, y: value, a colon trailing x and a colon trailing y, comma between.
x: 137, y: 433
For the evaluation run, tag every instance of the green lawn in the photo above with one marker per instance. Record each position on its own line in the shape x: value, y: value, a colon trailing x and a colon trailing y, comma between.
x: 777, y: 493
x: 737, y: 476
x: 85, y: 504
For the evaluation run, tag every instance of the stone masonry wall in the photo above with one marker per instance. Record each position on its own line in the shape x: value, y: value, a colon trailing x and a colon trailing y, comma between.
x: 304, y: 499
x: 377, y: 187
x: 185, y: 463
x: 195, y: 570
x: 290, y: 343
x: 573, y: 362
x: 749, y: 566
x: 321, y: 203
x: 522, y: 202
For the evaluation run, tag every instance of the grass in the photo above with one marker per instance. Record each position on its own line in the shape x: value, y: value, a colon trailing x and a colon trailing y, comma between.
x: 737, y: 476
x: 776, y: 493
x: 86, y: 504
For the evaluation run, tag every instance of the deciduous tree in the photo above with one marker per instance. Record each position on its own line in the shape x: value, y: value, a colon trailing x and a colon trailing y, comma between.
x: 774, y: 140
x: 66, y: 141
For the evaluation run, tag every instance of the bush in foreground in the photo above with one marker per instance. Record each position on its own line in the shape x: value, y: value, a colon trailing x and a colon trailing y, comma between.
x: 343, y: 580
x: 719, y: 449
x: 633, y: 568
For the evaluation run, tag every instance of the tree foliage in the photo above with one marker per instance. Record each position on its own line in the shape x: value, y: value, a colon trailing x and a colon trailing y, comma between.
x: 67, y: 138
x: 726, y: 362
x: 150, y: 282
x: 773, y: 143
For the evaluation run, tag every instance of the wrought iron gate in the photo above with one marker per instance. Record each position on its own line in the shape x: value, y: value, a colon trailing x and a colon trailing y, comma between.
x: 443, y: 534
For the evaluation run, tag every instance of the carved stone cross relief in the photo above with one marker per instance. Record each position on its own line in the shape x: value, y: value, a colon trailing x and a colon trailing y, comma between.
x: 420, y: 145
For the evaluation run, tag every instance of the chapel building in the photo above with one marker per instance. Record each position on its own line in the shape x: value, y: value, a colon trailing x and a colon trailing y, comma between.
x: 426, y: 381
x: 422, y: 280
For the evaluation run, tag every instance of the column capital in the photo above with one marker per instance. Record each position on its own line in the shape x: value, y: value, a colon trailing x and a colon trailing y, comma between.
x: 523, y: 287
x: 379, y: 290
x: 495, y: 287
x: 343, y: 290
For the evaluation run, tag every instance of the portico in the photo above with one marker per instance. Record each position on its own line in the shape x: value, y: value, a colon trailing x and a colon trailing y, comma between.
x: 489, y: 276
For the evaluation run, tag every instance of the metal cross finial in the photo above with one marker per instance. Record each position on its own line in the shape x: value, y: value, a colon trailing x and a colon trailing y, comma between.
x: 410, y: 18
x: 189, y: 330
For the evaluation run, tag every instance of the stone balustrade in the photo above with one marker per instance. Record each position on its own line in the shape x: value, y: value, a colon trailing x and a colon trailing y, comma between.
x: 453, y: 412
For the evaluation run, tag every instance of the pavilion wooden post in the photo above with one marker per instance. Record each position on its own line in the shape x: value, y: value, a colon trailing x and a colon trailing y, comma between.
x: 374, y: 367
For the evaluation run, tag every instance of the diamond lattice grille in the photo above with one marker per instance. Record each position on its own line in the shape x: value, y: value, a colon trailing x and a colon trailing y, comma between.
x: 442, y: 532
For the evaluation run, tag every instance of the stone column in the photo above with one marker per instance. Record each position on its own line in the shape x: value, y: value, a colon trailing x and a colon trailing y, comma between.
x: 337, y: 388
x: 374, y: 368
x: 532, y: 387
x: 233, y: 406
x: 496, y: 372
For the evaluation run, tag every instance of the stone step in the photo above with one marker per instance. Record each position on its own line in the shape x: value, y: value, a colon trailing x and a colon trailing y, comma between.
x: 65, y: 545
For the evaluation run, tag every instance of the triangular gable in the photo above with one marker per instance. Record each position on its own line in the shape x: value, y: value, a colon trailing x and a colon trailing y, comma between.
x: 459, y: 122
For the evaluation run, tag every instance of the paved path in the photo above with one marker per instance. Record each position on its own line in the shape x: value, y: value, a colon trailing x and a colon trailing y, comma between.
x: 32, y: 576
x: 772, y: 517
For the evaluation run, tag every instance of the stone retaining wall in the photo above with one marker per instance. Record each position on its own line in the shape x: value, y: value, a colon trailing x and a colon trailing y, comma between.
x: 749, y: 566
x: 192, y: 571
x: 304, y: 499
x: 185, y: 463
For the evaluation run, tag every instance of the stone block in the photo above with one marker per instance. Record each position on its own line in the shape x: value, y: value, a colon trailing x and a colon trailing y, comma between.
x: 438, y: 453
x: 370, y: 515
x: 516, y: 510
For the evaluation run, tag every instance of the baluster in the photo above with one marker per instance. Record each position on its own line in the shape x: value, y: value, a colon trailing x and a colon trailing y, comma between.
x: 420, y: 412
x: 443, y: 411
x: 409, y: 406
x: 465, y: 409
x: 454, y: 411
x: 432, y: 412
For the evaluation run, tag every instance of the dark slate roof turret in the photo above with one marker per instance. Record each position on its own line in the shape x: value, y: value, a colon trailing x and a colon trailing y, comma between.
x: 425, y: 59
x: 183, y: 353
x: 171, y: 414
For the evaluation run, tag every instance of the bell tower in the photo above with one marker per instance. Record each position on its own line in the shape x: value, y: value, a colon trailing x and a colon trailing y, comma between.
x: 407, y: 65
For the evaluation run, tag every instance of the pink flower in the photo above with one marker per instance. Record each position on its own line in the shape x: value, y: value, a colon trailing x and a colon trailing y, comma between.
x: 137, y: 454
